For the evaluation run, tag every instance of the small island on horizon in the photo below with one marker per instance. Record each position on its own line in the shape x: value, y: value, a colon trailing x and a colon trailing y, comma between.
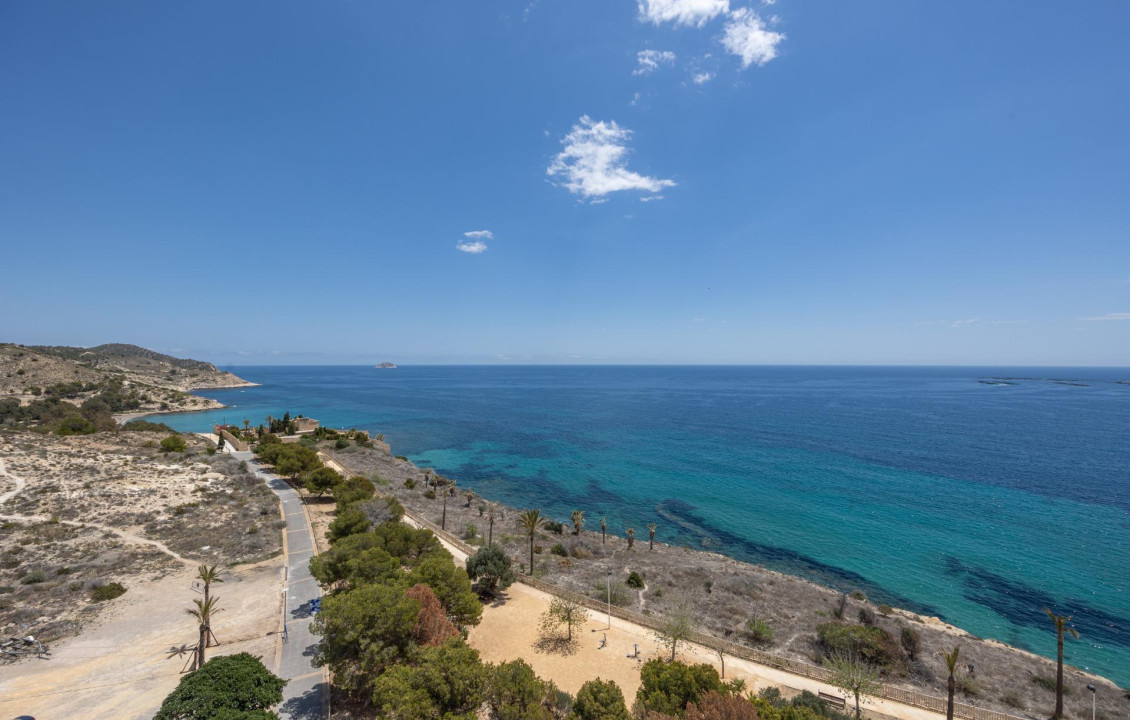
x: 385, y: 366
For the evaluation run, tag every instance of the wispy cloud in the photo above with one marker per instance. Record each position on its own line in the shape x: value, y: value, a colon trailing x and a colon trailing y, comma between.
x: 1108, y: 316
x: 747, y: 36
x: 682, y: 12
x: 593, y: 162
x: 474, y: 243
x: 963, y: 323
x: 703, y: 78
x: 649, y: 198
x: 648, y: 61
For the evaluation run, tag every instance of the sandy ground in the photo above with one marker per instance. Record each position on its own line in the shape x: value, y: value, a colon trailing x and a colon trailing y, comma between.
x: 123, y: 667
x: 509, y: 630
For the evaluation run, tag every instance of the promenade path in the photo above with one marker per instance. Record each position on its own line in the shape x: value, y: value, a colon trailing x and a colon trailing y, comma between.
x: 307, y: 692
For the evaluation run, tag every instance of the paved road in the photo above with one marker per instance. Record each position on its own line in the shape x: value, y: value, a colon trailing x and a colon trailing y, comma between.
x: 303, y: 694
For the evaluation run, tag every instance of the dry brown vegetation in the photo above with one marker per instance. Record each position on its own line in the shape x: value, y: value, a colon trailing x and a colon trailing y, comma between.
x: 725, y: 594
x: 90, y: 505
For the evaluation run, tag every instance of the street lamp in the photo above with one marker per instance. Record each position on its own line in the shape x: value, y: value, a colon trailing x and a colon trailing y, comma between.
x: 608, y: 581
x: 1092, y: 689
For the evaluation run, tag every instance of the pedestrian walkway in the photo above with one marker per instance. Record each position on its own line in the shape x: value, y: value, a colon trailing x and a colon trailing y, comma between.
x: 306, y: 692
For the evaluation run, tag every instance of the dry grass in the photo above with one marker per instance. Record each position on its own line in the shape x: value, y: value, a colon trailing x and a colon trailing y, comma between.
x: 204, y: 508
x: 725, y: 594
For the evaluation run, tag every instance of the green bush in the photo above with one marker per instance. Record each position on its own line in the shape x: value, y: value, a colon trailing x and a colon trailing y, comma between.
x: 33, y: 578
x: 872, y: 644
x: 620, y: 597
x: 107, y: 592
x: 600, y: 700
x: 667, y: 687
x: 430, y: 494
x: 559, y: 550
x: 173, y: 443
x: 760, y: 632
x: 491, y: 567
x: 229, y: 686
x: 635, y: 580
x: 76, y: 426
x: 341, y: 444
x: 552, y: 526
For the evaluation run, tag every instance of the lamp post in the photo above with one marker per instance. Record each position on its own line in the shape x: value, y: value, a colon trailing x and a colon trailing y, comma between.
x: 1092, y: 689
x: 608, y: 582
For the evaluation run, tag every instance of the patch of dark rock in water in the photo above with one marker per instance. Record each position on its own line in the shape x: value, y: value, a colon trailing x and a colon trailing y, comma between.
x: 1024, y: 605
x: 683, y: 516
x: 996, y: 382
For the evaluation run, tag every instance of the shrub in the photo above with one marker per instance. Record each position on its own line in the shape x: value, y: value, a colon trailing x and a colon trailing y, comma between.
x: 619, y: 596
x: 76, y: 426
x: 867, y: 616
x: 635, y: 580
x: 146, y: 426
x: 885, y: 610
x: 859, y: 595
x: 107, y: 592
x: 716, y: 706
x: 552, y: 526
x: 872, y: 644
x: 33, y: 578
x: 579, y: 552
x: 967, y: 684
x: 600, y: 700
x: 667, y: 687
x: 1013, y: 700
x: 1047, y: 682
x: 491, y: 567
x: 231, y: 686
x: 759, y: 631
x: 429, y: 494
x: 173, y: 443
x: 538, y: 549
x: 911, y: 642
x: 341, y: 444
x: 559, y: 550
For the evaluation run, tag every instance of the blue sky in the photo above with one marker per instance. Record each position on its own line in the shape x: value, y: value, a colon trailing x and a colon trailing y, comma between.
x: 664, y: 181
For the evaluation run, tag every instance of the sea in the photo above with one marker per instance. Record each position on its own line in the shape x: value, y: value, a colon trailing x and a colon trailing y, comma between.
x: 977, y: 495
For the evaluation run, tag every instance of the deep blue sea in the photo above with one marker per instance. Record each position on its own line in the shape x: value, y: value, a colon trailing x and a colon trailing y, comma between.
x: 927, y: 488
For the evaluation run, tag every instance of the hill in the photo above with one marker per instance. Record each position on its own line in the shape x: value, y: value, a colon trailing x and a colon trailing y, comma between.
x: 128, y: 378
x: 143, y: 365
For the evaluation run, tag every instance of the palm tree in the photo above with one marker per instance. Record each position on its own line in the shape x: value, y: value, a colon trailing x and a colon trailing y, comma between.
x: 1060, y: 626
x: 603, y: 529
x: 208, y: 575
x: 951, y: 665
x: 470, y: 496
x: 204, y: 611
x: 651, y: 539
x: 490, y: 519
x: 578, y: 520
x: 631, y: 537
x: 531, y: 521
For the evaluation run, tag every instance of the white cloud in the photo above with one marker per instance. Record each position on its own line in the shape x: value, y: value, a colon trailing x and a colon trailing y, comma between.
x: 747, y: 37
x: 963, y: 323
x: 703, y: 78
x: 479, y: 235
x: 650, y: 60
x: 682, y: 12
x: 473, y: 248
x: 635, y: 99
x: 1109, y: 316
x: 649, y: 198
x: 593, y: 163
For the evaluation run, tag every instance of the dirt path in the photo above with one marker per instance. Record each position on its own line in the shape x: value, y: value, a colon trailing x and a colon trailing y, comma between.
x: 21, y: 484
x: 19, y: 481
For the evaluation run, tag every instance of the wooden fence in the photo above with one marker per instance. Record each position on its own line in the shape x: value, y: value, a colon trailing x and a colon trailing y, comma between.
x: 912, y: 698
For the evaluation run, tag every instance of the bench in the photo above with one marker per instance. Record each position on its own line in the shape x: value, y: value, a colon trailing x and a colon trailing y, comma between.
x: 833, y: 700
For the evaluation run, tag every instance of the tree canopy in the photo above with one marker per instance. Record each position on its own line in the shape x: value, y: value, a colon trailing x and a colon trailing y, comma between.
x: 230, y: 686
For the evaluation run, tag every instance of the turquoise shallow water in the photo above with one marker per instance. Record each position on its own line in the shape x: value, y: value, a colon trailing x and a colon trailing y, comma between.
x: 927, y: 488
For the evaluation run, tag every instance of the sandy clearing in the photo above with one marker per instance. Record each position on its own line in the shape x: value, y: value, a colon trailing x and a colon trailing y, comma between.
x: 509, y: 630
x: 121, y: 667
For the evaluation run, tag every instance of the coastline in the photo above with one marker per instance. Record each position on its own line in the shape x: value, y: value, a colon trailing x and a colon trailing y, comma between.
x: 1005, y: 663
